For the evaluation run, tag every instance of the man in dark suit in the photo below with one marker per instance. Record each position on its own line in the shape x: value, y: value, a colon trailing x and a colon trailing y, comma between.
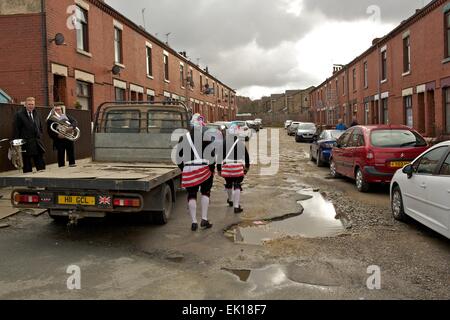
x: 60, y: 143
x: 28, y: 126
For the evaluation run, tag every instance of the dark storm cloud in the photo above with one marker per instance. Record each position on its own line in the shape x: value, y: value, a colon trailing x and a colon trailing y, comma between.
x: 389, y: 10
x: 250, y: 42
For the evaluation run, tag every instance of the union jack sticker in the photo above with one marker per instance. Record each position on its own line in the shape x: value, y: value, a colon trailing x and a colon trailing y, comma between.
x: 104, y: 200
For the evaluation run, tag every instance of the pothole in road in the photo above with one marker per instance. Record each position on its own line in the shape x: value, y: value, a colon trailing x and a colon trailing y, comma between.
x: 318, y: 220
x: 274, y: 276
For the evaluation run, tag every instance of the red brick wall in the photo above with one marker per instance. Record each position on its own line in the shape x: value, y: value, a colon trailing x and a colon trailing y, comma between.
x: 101, y: 46
x: 21, y: 57
x: 427, y: 55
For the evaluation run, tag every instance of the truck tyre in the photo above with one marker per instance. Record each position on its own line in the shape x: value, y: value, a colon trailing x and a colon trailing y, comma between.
x: 58, y: 219
x: 162, y: 217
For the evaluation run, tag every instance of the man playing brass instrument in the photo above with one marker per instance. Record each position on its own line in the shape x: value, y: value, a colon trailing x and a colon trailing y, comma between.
x: 60, y: 142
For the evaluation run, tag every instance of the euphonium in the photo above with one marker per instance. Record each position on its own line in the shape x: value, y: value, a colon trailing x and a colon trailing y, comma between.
x: 64, y: 127
x: 15, y: 153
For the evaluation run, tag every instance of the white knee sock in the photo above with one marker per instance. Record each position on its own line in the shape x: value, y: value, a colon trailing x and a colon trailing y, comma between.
x: 230, y: 194
x: 205, y: 206
x: 193, y: 210
x: 237, y: 197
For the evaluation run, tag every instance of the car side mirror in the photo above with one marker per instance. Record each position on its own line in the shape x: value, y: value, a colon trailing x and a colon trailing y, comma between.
x: 408, y: 170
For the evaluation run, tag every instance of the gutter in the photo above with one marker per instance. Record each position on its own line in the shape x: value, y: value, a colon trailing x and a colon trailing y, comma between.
x: 45, y: 52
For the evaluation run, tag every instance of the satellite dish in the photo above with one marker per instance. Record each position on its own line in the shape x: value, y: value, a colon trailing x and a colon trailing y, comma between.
x: 59, y: 39
x: 115, y: 70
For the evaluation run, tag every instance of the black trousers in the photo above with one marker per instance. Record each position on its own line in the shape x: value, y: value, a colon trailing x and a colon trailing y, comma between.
x: 62, y: 147
x: 38, y: 162
x: 235, y: 183
x: 205, y: 189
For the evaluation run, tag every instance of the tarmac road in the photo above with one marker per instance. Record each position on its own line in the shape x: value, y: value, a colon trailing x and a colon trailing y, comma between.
x: 123, y: 258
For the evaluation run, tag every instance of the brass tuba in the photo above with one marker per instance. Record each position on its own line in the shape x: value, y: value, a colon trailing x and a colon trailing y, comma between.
x: 63, y: 127
x: 15, y: 153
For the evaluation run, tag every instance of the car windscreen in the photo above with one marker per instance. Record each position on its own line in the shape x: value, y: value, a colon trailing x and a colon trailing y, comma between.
x: 396, y: 139
x: 334, y: 134
x: 307, y: 126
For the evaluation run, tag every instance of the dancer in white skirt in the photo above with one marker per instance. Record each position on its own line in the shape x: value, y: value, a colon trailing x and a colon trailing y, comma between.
x: 233, y: 167
x: 198, y: 172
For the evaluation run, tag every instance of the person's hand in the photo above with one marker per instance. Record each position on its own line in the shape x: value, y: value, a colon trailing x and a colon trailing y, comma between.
x: 60, y: 136
x: 245, y: 171
x: 219, y: 173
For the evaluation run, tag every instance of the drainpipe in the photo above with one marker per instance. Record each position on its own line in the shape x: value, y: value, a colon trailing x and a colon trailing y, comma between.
x: 45, y: 52
x: 380, y: 104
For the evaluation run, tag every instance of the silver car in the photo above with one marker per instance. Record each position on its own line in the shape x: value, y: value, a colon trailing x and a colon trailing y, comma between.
x: 305, y: 132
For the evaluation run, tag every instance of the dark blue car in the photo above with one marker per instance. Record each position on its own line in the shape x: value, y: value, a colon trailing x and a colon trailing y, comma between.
x: 321, y: 147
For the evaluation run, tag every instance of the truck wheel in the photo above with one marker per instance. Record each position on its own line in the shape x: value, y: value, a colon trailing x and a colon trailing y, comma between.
x: 161, y: 218
x: 58, y: 219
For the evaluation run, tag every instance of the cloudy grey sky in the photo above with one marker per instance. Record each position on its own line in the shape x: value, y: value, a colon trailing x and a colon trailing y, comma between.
x: 261, y: 47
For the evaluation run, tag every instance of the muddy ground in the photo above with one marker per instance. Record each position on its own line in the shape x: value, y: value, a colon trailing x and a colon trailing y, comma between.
x: 309, y: 257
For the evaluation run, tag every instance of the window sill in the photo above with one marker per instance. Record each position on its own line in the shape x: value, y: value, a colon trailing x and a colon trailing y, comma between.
x: 447, y: 60
x: 406, y: 73
x: 383, y: 81
x: 150, y: 77
x: 119, y: 65
x: 166, y: 81
x: 84, y: 53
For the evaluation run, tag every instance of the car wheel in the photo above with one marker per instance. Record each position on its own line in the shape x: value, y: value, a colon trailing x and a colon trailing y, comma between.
x: 333, y: 171
x: 297, y: 139
x: 311, y: 157
x: 319, y: 161
x: 398, y: 210
x: 361, y: 183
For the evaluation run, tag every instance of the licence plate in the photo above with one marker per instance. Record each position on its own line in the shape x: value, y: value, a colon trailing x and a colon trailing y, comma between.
x: 399, y: 164
x: 76, y: 200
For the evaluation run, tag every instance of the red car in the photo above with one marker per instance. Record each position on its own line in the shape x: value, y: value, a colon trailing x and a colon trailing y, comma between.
x: 372, y: 154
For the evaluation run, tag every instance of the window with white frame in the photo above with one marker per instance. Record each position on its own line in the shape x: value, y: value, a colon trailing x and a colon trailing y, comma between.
x: 81, y: 16
x: 166, y: 67
x: 149, y: 61
x: 409, y: 120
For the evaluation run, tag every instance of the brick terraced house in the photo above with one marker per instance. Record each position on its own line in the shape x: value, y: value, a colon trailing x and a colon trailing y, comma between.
x: 403, y: 78
x: 83, y: 53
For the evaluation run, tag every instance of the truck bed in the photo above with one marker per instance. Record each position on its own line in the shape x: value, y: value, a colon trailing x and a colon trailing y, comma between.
x: 97, y: 176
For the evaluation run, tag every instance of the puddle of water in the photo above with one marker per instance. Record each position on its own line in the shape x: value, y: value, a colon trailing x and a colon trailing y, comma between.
x: 270, y: 278
x: 318, y: 220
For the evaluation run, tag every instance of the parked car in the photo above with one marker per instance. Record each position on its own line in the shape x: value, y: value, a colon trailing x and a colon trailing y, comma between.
x: 244, y: 131
x: 292, y: 129
x: 287, y: 124
x: 305, y: 132
x: 322, y: 145
x: 372, y: 154
x: 4, y: 98
x: 253, y: 125
x: 422, y: 190
x: 260, y: 123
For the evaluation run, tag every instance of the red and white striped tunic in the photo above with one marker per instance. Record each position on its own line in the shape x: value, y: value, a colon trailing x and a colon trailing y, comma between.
x: 230, y: 168
x: 193, y: 176
x: 195, y: 172
x: 233, y: 169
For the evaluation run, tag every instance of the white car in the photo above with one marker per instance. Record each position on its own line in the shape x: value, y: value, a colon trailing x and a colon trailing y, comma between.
x: 421, y: 190
x: 288, y: 123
